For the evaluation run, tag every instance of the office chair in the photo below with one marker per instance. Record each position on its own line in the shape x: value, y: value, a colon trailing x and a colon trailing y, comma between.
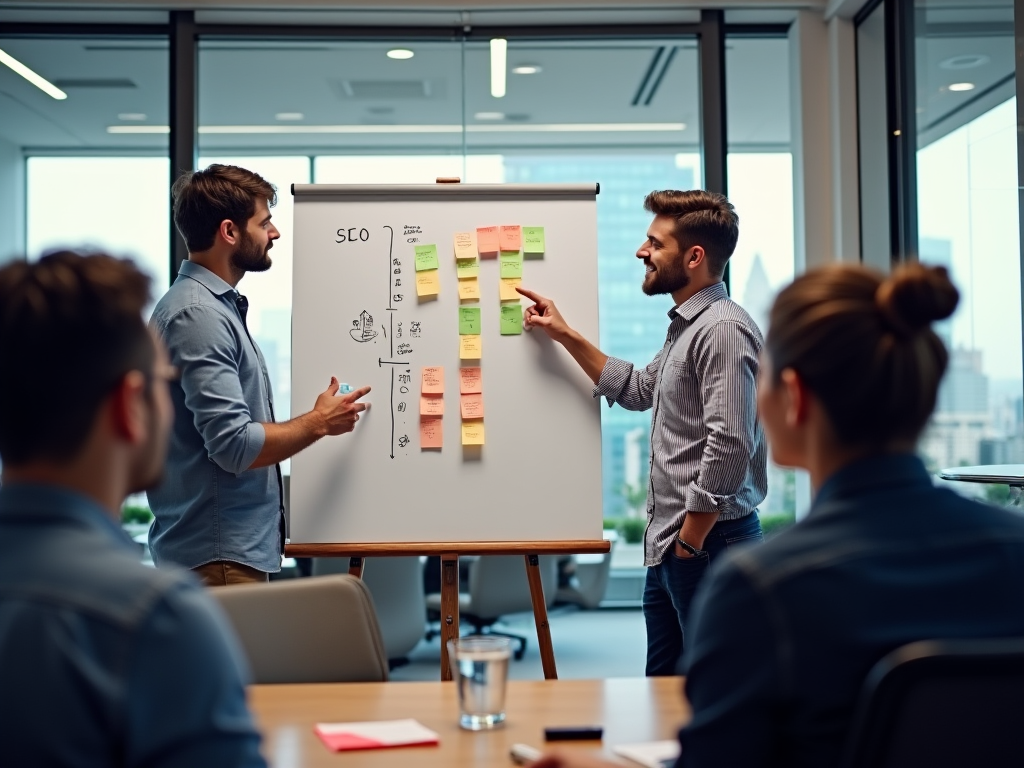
x: 940, y: 704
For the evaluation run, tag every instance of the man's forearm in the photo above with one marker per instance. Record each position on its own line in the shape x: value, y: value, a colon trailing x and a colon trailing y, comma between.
x: 285, y: 439
x: 591, y: 359
x: 696, y: 526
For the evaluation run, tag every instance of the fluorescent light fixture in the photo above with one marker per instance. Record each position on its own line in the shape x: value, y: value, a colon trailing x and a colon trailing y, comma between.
x: 326, y: 129
x: 489, y: 116
x: 131, y: 116
x: 289, y: 116
x: 38, y: 81
x: 400, y: 54
x: 575, y: 127
x: 526, y: 69
x: 959, y: 87
x: 499, y: 57
x: 138, y: 129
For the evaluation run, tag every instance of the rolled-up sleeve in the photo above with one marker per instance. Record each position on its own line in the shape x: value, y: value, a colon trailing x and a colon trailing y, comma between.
x: 621, y: 383
x: 726, y: 359
x: 204, y: 349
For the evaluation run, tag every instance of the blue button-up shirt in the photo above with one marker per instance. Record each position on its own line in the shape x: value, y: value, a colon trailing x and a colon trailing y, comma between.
x: 104, y: 661
x: 211, y: 506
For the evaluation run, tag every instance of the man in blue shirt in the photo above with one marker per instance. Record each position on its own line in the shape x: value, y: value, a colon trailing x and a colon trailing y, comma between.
x: 103, y: 661
x: 220, y: 510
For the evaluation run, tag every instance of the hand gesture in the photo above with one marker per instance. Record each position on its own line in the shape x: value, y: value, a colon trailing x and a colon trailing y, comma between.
x: 340, y: 414
x: 544, y: 314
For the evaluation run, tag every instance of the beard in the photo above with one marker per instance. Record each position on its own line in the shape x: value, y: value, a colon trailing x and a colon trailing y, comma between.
x: 250, y: 256
x: 667, y: 279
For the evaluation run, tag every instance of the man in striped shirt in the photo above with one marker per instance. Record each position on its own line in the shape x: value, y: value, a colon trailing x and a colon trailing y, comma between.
x: 708, y: 454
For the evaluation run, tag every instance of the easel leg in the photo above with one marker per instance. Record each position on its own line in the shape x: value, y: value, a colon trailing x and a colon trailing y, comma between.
x: 540, y: 615
x: 449, y: 608
x: 355, y: 567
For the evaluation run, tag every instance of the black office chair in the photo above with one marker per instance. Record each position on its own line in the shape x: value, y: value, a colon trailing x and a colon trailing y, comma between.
x: 942, y: 704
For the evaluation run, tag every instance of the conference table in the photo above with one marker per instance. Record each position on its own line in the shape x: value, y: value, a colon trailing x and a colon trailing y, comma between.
x: 631, y: 710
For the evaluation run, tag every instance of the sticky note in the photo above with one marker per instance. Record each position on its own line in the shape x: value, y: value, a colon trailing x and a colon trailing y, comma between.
x: 433, y: 380
x: 465, y: 245
x: 431, y: 433
x: 426, y: 257
x: 507, y: 289
x: 510, y: 238
x: 511, y: 319
x: 470, y: 380
x: 473, y: 432
x: 469, y: 289
x: 467, y: 268
x: 472, y: 406
x: 432, y: 405
x: 428, y: 283
x: 469, y: 320
x: 469, y: 347
x: 533, y: 240
x: 487, y: 239
x: 511, y: 264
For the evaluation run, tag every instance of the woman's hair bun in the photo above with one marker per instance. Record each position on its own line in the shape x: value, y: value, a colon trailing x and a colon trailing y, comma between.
x: 914, y: 296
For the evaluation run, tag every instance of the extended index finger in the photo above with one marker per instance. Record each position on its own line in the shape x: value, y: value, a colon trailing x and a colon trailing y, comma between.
x: 356, y: 394
x: 535, y: 297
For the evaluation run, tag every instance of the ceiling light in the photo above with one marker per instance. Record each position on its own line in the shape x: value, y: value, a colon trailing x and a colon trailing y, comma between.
x: 289, y: 116
x: 131, y: 116
x: 38, y: 81
x: 958, y: 87
x: 489, y: 116
x: 499, y: 54
x: 138, y: 129
x: 400, y: 53
x: 526, y: 69
x: 964, y: 61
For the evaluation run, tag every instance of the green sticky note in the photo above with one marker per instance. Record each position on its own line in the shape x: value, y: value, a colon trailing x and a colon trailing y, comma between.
x: 511, y: 264
x: 469, y: 321
x: 426, y: 257
x: 533, y: 240
x: 467, y: 268
x: 511, y: 319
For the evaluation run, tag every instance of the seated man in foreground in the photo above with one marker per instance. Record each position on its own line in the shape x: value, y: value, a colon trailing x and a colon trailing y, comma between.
x: 103, y: 661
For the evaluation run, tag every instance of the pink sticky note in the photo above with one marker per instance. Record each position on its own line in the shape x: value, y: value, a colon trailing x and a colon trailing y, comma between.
x: 432, y: 405
x: 433, y: 380
x: 431, y: 433
x: 487, y: 240
x: 510, y: 238
x: 470, y: 380
x: 472, y: 406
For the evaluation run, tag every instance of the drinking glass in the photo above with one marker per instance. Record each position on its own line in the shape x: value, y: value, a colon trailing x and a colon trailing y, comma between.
x: 480, y: 664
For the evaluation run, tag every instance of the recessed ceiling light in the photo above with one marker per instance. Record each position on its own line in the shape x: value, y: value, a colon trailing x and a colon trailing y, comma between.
x: 400, y: 53
x: 35, y: 78
x: 958, y: 87
x: 131, y: 116
x: 526, y: 69
x: 964, y: 61
x: 289, y: 116
x: 489, y: 116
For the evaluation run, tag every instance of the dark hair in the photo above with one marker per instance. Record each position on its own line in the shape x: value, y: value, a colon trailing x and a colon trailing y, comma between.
x: 203, y: 199
x: 70, y: 327
x: 863, y: 344
x: 703, y: 218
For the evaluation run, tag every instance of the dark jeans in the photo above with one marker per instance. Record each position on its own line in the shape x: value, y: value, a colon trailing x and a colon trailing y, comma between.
x: 671, y: 586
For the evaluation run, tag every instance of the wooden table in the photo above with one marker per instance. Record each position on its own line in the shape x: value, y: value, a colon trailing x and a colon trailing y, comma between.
x: 630, y: 709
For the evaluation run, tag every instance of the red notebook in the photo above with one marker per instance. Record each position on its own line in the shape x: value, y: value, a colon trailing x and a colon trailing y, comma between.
x: 380, y: 734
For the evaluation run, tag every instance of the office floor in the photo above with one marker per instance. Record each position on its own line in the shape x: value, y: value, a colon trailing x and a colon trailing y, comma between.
x: 588, y: 644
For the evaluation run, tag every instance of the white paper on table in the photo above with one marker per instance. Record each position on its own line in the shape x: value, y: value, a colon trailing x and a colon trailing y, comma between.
x: 374, y: 734
x: 653, y: 754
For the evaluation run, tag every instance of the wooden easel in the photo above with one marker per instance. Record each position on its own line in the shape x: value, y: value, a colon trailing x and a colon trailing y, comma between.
x: 531, y: 550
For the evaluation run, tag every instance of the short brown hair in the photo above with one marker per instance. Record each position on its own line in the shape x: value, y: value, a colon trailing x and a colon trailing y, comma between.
x: 863, y: 343
x: 703, y: 218
x: 70, y: 327
x: 203, y: 199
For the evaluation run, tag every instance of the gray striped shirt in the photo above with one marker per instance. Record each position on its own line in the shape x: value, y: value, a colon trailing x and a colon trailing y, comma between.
x: 708, y: 451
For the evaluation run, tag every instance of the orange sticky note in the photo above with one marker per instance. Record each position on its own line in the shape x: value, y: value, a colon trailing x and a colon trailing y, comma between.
x: 433, y: 380
x: 465, y: 245
x: 432, y: 405
x: 487, y: 239
x: 510, y: 238
x: 507, y: 289
x: 428, y: 283
x: 469, y: 289
x: 469, y: 346
x: 472, y: 406
x: 431, y: 433
x: 470, y: 380
x: 473, y: 432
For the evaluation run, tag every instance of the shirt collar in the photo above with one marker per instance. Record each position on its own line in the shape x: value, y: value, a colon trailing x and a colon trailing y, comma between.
x: 873, y: 474
x: 30, y: 501
x: 206, y: 278
x: 700, y: 301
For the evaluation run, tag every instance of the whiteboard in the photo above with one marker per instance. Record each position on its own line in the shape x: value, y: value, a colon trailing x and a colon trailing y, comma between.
x: 538, y: 475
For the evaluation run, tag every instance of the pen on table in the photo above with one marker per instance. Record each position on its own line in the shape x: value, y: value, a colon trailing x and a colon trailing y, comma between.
x: 524, y: 754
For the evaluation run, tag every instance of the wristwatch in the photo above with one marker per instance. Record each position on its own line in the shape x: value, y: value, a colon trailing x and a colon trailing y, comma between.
x: 689, y: 547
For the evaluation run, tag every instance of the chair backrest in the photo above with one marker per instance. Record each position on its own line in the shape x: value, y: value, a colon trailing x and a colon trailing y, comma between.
x: 317, y: 630
x: 498, y: 585
x: 940, y: 703
x: 396, y: 587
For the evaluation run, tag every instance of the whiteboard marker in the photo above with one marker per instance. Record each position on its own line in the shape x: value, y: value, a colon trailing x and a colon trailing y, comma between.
x: 344, y: 388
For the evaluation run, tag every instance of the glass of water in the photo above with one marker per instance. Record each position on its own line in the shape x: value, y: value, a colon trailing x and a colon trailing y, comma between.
x: 480, y: 664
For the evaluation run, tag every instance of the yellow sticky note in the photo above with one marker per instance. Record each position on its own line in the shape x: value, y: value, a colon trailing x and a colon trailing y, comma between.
x: 465, y: 245
x: 428, y: 283
x: 507, y: 288
x: 473, y: 432
x: 469, y: 347
x: 469, y: 289
x: 467, y: 268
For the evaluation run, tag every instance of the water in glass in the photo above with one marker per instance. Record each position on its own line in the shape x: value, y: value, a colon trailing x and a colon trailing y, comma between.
x: 480, y: 666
